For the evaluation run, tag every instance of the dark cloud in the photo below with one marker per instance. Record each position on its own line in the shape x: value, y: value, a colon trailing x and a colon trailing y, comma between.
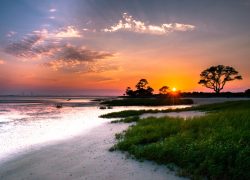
x: 59, y: 56
x: 42, y: 42
x: 24, y: 48
x: 70, y: 58
x: 31, y: 46
x: 73, y: 53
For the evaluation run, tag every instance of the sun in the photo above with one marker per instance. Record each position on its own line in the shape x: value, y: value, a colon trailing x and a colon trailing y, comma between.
x: 173, y: 89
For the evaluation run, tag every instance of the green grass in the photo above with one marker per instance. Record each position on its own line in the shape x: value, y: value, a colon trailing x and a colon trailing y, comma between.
x: 127, y: 120
x: 215, y: 146
x: 129, y: 113
x: 207, y: 108
x: 147, y: 102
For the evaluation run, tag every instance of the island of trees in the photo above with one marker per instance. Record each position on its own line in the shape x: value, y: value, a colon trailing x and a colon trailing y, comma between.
x: 214, y: 77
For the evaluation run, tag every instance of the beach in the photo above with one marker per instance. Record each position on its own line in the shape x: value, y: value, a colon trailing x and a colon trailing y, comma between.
x: 85, y: 156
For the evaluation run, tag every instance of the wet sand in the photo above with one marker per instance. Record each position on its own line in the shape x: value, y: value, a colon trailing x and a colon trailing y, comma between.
x: 84, y: 157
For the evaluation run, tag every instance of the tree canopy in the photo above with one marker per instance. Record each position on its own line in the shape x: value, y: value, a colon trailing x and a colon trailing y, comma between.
x: 141, y: 84
x: 164, y: 90
x: 247, y: 91
x: 216, y: 77
x: 142, y: 89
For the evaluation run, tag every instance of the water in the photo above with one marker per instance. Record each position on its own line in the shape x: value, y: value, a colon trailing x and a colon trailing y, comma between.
x: 27, y: 123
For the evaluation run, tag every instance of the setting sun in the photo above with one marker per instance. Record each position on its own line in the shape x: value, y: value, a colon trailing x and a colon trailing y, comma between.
x: 173, y: 89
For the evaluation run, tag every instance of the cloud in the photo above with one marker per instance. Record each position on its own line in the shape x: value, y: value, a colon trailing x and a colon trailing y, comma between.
x: 26, y: 47
x: 102, y: 79
x: 59, y: 55
x: 76, y: 59
x: 11, y: 33
x: 2, y: 62
x: 70, y: 52
x: 65, y: 32
x: 128, y: 23
x: 41, y: 43
x: 32, y: 46
x: 52, y: 10
x: 79, y: 67
x: 68, y: 32
x: 66, y: 57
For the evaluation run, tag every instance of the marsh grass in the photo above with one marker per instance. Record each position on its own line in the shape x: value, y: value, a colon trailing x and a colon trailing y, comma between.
x: 147, y: 102
x: 215, y: 146
x: 127, y: 120
x: 130, y: 113
x: 208, y: 108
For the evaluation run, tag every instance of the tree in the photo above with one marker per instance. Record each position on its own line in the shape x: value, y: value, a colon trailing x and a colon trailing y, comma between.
x: 149, y: 91
x: 216, y: 77
x: 247, y: 92
x: 141, y: 84
x: 164, y: 90
x: 142, y: 89
x: 129, y: 91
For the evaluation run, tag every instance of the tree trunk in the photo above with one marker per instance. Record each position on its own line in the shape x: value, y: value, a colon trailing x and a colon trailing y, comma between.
x: 217, y: 91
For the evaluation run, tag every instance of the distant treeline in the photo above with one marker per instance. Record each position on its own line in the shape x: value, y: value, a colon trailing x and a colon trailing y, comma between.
x: 201, y: 95
x: 209, y: 95
x: 144, y: 91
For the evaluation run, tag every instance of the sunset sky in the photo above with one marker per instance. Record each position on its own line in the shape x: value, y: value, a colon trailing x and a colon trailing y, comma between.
x: 92, y: 47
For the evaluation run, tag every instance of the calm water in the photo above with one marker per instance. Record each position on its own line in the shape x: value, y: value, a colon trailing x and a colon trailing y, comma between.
x: 27, y: 123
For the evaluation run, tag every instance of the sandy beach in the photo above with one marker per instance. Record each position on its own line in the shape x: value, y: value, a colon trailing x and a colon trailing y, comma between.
x: 84, y: 157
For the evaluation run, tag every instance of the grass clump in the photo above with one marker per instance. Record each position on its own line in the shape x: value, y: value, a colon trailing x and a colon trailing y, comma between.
x: 208, y: 108
x: 147, y: 102
x: 127, y: 120
x: 126, y: 113
x: 215, y: 146
x: 130, y: 113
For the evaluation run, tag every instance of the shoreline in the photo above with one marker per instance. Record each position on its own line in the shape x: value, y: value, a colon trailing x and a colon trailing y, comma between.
x: 201, y: 101
x: 84, y: 157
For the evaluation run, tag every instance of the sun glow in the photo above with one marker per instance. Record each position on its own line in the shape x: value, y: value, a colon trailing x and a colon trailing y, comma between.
x: 174, y: 89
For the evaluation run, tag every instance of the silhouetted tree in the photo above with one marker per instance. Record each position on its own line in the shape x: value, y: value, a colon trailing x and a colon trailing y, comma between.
x: 141, y: 89
x: 150, y: 91
x: 216, y: 77
x: 129, y: 91
x: 164, y: 90
x: 247, y: 92
x: 141, y: 84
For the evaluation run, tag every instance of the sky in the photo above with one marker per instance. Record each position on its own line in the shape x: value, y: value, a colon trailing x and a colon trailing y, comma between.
x: 99, y: 47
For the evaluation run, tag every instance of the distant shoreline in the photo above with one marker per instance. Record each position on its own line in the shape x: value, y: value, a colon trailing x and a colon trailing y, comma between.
x: 98, y: 99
